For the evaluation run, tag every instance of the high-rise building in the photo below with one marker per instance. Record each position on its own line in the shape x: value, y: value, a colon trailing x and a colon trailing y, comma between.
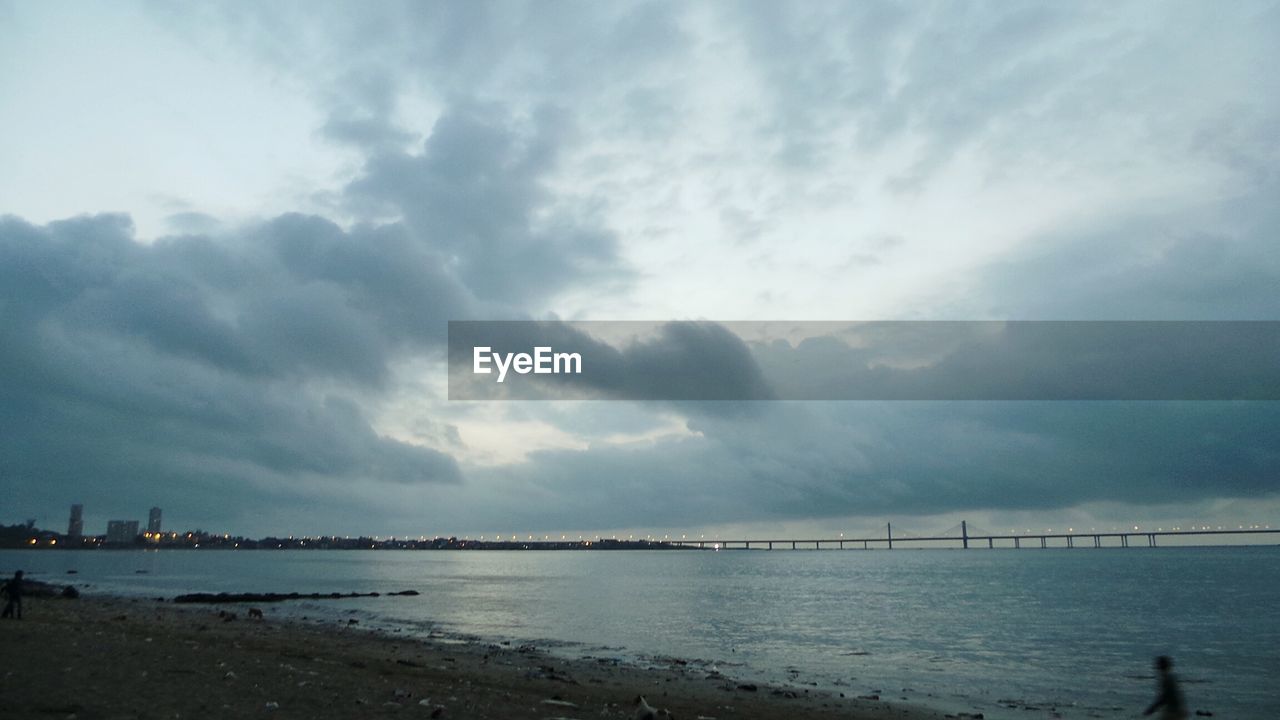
x: 153, y: 520
x: 122, y: 531
x: 75, y: 526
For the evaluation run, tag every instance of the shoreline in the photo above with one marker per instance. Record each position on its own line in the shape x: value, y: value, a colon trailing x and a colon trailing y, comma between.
x: 117, y: 657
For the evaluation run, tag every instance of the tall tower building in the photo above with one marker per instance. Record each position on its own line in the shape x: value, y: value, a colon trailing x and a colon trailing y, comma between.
x: 75, y: 526
x: 153, y: 520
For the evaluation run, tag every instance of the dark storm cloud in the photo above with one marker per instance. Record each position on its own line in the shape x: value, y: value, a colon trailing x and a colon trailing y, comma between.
x: 475, y: 190
x: 232, y: 363
x: 213, y: 371
x: 1020, y: 360
x: 134, y: 370
x: 294, y: 297
x: 826, y: 460
x: 1028, y: 360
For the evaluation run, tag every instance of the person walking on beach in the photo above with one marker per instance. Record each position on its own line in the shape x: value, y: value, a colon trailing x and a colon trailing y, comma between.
x: 1169, y: 696
x: 13, y: 589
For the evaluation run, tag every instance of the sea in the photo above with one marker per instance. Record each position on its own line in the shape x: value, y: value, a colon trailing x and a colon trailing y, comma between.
x: 1029, y: 633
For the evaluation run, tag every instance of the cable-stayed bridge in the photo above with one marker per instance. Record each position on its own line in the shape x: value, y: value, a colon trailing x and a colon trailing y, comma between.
x: 966, y: 536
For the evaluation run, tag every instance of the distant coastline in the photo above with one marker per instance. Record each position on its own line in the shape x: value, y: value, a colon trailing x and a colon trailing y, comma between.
x: 23, y: 537
x: 29, y: 537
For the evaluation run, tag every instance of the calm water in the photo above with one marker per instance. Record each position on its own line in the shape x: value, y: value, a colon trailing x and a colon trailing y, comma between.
x: 1073, y: 630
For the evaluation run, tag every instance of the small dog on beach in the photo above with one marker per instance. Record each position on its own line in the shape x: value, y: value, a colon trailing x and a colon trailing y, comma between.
x: 255, y: 614
x: 645, y: 711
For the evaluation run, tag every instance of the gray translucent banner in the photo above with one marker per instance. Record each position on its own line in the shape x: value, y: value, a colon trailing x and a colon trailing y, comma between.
x: 892, y: 360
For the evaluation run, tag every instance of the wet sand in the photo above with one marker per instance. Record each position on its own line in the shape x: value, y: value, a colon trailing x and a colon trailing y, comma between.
x: 117, y: 659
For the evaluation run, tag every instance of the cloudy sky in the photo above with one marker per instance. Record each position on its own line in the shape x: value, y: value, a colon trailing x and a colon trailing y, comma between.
x: 232, y: 235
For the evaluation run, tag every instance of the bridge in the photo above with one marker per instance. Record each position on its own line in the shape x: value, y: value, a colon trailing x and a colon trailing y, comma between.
x: 981, y: 538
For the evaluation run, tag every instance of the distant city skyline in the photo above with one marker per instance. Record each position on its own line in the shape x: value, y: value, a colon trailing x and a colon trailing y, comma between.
x: 116, y: 529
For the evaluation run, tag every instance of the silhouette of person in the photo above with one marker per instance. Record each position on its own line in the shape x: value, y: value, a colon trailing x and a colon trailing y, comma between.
x: 13, y: 589
x: 1169, y: 696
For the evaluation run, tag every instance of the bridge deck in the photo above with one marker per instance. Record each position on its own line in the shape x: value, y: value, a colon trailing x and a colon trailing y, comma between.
x: 989, y: 540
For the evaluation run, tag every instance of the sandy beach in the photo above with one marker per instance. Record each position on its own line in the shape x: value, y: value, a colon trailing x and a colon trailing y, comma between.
x: 115, y: 659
